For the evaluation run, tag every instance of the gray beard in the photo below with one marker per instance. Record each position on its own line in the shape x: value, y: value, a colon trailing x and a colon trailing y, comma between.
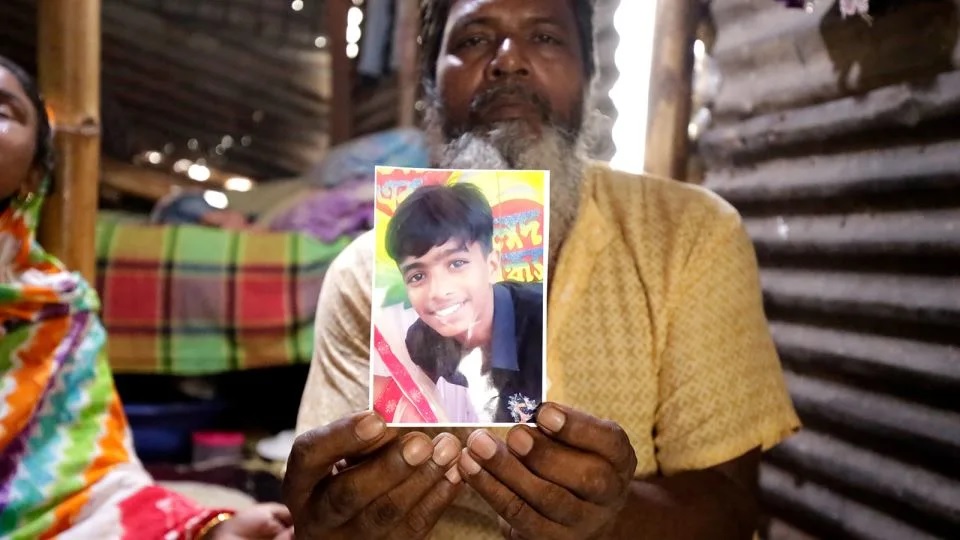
x: 508, y: 145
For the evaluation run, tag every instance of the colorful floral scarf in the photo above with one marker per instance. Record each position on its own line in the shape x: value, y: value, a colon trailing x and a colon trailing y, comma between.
x: 67, y: 465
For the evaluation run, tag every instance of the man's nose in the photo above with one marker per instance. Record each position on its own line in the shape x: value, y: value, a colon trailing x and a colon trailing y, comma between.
x: 509, y: 60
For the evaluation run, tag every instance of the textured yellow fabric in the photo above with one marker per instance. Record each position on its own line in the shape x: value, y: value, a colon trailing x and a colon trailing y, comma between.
x: 655, y: 321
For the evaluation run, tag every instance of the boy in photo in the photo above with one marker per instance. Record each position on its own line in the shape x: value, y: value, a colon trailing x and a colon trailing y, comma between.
x: 480, y: 340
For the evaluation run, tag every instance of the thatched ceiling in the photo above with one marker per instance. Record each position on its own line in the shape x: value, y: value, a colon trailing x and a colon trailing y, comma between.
x: 239, y: 83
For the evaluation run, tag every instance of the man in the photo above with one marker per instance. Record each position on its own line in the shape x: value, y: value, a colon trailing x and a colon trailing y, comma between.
x: 664, y: 384
x: 441, y: 238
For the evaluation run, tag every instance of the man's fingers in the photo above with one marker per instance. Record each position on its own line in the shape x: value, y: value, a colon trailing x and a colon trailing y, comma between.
x: 580, y: 430
x: 425, y: 515
x: 548, y: 499
x: 315, y: 452
x: 342, y: 496
x: 587, y: 475
x: 395, y: 508
x: 420, y: 520
x: 510, y: 506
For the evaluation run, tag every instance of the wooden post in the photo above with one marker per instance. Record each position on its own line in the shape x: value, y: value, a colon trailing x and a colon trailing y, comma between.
x: 670, y: 88
x: 408, y: 78
x: 68, y: 49
x: 341, y: 111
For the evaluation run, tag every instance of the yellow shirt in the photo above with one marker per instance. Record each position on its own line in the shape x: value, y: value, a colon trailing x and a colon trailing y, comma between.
x: 654, y: 320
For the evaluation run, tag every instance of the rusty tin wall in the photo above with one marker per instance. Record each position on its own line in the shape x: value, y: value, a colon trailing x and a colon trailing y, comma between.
x: 839, y: 142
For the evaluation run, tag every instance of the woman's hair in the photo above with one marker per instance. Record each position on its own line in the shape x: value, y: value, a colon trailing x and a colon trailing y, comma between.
x: 433, y: 20
x: 43, y: 153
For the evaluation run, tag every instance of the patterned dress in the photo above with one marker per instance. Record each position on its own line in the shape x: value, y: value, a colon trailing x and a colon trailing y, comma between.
x: 67, y: 464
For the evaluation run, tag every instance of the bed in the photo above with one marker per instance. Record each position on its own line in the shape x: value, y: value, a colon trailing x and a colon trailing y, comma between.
x: 190, y: 300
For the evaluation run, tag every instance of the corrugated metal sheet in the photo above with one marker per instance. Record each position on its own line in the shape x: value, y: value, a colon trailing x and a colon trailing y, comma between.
x: 606, y: 41
x: 376, y: 108
x: 839, y: 142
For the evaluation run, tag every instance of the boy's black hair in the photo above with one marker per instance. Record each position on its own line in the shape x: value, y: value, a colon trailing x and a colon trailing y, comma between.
x: 433, y: 215
x: 43, y: 154
x: 433, y: 17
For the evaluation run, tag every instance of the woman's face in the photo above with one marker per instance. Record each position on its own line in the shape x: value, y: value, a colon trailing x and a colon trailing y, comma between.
x: 18, y: 136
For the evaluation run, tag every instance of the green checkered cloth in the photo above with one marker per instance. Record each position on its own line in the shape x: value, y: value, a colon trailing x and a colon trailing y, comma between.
x: 190, y: 300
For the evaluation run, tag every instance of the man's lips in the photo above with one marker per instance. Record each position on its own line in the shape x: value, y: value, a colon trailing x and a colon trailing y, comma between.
x: 508, y: 109
x: 506, y: 99
x: 510, y: 102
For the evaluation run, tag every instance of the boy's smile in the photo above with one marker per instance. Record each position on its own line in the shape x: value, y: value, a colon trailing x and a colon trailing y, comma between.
x: 447, y: 311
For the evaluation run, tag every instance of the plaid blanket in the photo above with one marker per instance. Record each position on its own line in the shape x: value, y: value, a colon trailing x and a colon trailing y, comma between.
x: 191, y: 300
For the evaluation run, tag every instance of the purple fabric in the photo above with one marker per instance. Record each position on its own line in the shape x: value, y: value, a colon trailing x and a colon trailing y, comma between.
x: 346, y: 210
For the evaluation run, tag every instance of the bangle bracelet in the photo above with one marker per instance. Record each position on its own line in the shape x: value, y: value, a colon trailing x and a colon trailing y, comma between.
x: 213, y: 522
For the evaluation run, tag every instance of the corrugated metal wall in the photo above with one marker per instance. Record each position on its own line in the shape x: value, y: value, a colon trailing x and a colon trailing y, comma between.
x: 376, y: 108
x: 839, y: 142
x: 606, y: 40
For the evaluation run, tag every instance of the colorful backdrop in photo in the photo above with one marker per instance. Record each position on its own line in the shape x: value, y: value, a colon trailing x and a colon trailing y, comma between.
x: 517, y: 199
x: 399, y: 391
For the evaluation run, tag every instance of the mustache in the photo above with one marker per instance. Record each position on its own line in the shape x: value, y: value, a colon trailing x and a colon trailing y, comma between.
x: 491, y: 96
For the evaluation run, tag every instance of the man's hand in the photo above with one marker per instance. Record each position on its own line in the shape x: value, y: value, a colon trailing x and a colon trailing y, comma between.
x: 567, y: 479
x: 355, y: 478
x: 268, y: 521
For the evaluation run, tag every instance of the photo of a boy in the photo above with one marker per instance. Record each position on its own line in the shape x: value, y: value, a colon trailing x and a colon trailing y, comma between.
x: 479, y: 339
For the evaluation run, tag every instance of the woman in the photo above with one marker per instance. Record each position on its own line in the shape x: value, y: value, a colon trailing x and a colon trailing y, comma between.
x: 67, y: 466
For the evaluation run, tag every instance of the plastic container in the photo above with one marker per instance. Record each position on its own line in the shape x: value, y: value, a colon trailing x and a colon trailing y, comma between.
x: 214, y: 448
x: 162, y: 431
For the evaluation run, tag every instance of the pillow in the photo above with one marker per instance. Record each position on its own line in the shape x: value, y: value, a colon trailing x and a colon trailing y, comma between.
x: 356, y: 159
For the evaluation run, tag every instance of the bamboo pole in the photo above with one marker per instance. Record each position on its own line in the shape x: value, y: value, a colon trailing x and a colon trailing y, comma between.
x: 670, y: 88
x: 408, y: 78
x: 68, y: 48
x: 341, y: 110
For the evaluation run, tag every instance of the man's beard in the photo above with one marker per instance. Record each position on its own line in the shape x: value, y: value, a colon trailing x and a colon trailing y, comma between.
x: 511, y: 145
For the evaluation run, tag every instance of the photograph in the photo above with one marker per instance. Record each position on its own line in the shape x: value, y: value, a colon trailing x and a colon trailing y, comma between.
x: 459, y: 287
